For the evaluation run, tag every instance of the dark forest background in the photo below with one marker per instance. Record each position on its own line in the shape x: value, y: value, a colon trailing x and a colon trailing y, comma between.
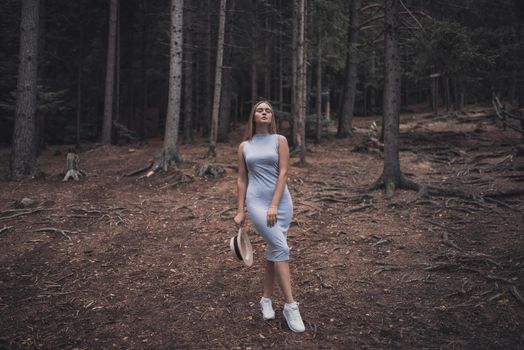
x: 477, y: 47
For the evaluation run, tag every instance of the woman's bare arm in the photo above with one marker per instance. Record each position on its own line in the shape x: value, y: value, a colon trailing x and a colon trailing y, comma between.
x: 283, y: 165
x: 241, y: 181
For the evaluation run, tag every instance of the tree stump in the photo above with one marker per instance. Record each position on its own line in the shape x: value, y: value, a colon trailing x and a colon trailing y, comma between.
x: 72, y: 167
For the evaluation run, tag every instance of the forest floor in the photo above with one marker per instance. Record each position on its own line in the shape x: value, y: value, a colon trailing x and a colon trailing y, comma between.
x: 144, y: 263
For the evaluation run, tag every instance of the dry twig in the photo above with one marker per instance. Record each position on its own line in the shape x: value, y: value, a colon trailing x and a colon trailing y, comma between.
x: 52, y: 229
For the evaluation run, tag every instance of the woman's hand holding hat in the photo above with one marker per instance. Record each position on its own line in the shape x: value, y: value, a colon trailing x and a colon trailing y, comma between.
x: 240, y: 219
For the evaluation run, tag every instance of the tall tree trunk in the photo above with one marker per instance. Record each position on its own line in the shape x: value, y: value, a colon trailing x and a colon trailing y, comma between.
x: 348, y: 106
x: 280, y: 60
x: 40, y: 116
x: 22, y: 152
x: 447, y: 94
x: 188, y: 78
x: 391, y: 175
x: 80, y: 67
x: 254, y: 39
x: 227, y: 81
x: 79, y: 99
x: 267, y: 63
x: 143, y: 68
x: 175, y: 84
x: 294, y: 90
x: 301, y: 81
x: 117, y: 67
x: 218, y: 80
x: 206, y: 116
x: 110, y: 74
x: 319, y: 88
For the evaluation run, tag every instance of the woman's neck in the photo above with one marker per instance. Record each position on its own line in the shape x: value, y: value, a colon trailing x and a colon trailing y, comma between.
x: 262, y: 129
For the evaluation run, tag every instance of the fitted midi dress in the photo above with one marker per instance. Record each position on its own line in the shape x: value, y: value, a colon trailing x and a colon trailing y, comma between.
x: 261, y: 157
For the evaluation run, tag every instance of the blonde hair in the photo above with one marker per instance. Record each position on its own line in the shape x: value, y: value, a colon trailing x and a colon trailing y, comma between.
x: 250, y: 127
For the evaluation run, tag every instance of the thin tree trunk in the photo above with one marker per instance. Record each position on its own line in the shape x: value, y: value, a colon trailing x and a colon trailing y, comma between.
x: 447, y: 94
x: 218, y: 80
x: 254, y: 38
x: 22, y: 152
x: 40, y: 116
x: 206, y: 116
x: 175, y: 82
x: 280, y: 60
x: 110, y: 74
x: 301, y: 81
x: 117, y: 68
x: 227, y: 81
x: 348, y: 106
x: 188, y: 79
x: 79, y: 99
x: 267, y: 63
x: 294, y: 89
x: 319, y: 88
x: 391, y: 175
x: 143, y: 68
x: 328, y: 105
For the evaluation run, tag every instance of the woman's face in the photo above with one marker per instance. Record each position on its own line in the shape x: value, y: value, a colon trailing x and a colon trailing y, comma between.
x: 263, y: 114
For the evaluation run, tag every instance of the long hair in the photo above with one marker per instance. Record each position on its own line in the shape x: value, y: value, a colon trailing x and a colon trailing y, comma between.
x: 251, y: 127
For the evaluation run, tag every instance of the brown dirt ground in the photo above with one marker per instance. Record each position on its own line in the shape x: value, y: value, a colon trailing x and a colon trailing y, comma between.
x: 148, y: 266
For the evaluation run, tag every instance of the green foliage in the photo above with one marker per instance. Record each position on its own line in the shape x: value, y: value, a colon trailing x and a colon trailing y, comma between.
x: 330, y: 18
x: 449, y: 49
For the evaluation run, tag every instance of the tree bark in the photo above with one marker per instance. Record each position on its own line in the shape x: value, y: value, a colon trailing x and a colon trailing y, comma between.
x: 346, y: 119
x: 188, y: 79
x: 301, y: 81
x: 218, y: 80
x: 23, y: 160
x: 40, y: 116
x: 79, y: 99
x: 227, y: 82
x: 175, y: 81
x: 391, y: 177
x: 110, y: 74
x: 319, y: 88
x: 254, y: 38
x: 294, y: 90
x: 206, y: 116
x: 267, y: 60
x: 280, y: 60
x: 143, y: 68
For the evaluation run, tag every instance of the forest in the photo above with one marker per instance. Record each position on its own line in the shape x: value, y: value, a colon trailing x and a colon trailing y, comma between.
x: 119, y: 128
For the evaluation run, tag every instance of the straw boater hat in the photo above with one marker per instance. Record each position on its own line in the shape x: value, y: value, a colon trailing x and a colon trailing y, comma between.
x: 241, y: 247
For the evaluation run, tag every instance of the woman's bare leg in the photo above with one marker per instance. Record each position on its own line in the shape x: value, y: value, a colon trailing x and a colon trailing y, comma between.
x: 269, y: 279
x: 284, y: 280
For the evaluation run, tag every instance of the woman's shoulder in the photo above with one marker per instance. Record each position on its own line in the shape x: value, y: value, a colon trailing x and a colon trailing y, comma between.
x: 281, y: 138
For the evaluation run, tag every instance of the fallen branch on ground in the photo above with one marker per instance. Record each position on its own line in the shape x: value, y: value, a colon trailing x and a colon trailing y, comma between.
x: 516, y: 294
x: 24, y: 213
x: 52, y: 229
x: 5, y: 228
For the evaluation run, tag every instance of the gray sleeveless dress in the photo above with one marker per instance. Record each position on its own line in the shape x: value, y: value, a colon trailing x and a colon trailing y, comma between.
x: 261, y: 157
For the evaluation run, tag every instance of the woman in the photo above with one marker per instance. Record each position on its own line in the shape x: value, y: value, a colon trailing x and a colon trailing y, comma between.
x: 263, y: 160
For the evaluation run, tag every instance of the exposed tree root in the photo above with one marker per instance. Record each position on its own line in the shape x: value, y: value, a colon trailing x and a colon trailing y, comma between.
x: 160, y: 162
x: 403, y: 183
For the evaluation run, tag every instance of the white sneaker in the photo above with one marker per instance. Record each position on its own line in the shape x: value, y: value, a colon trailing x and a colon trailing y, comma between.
x: 293, y: 318
x: 267, y: 309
